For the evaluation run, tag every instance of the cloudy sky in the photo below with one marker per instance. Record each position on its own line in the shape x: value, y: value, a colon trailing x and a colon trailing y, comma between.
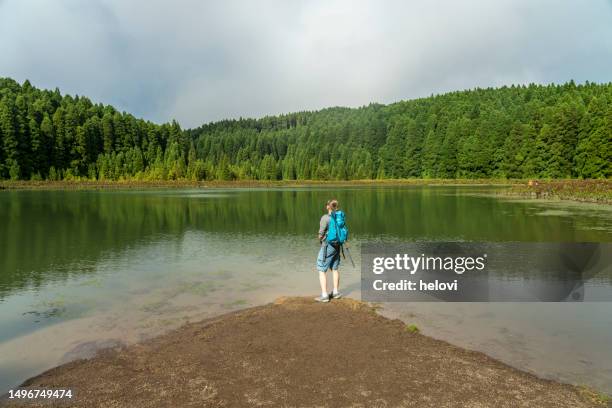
x: 198, y: 61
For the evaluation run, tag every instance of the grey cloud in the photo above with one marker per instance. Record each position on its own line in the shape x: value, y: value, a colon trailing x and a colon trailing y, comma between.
x: 199, y: 61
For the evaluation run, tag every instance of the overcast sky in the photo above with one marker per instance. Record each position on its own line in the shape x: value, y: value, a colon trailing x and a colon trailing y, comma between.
x: 198, y: 61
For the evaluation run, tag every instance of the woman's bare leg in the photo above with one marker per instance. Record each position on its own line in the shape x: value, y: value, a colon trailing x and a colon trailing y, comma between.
x: 336, y: 280
x: 323, y: 281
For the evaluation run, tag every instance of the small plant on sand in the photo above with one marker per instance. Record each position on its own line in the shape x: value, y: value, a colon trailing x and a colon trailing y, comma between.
x: 597, y: 397
x: 412, y: 328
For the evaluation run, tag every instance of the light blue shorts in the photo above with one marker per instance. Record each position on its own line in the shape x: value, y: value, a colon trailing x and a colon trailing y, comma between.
x: 329, y: 258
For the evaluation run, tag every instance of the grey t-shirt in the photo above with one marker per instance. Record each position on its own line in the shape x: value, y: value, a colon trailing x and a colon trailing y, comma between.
x: 323, y: 226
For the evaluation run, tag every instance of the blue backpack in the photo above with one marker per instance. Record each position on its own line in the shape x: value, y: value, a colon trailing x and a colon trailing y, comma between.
x: 337, y: 231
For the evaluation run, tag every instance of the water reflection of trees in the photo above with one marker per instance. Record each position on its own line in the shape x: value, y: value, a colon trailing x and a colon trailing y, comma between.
x: 48, y: 235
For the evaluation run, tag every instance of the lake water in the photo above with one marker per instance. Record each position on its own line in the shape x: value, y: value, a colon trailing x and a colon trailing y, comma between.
x: 82, y: 270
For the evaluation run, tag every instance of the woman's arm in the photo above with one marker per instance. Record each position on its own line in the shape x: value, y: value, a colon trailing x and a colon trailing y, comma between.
x: 323, y: 225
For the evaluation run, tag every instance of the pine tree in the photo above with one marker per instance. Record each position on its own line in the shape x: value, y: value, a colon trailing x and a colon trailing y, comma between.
x: 108, y: 133
x: 594, y: 149
x: 9, y: 136
x: 47, y: 143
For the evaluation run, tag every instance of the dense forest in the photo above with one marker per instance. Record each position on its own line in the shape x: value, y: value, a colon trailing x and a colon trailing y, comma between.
x: 552, y: 131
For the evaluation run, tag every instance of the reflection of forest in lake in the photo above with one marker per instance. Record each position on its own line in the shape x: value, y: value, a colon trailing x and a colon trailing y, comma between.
x: 48, y: 235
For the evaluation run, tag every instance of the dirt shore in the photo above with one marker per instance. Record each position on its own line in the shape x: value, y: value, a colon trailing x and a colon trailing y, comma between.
x: 298, y: 353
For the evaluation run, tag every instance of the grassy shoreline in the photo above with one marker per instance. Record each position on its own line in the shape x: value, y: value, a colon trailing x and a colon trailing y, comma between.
x: 587, y: 191
x: 591, y: 191
x: 136, y: 184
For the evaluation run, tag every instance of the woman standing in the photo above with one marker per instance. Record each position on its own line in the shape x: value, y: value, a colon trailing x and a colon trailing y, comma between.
x: 329, y: 254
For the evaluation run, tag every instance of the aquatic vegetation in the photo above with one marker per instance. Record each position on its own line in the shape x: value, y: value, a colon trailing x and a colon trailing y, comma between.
x: 200, y: 288
x: 555, y: 213
x: 270, y: 274
x: 239, y: 302
x: 58, y: 302
x: 223, y: 274
x: 249, y: 286
x: 597, y: 191
x: 93, y: 282
x: 45, y: 314
x: 48, y: 308
x: 59, y: 307
x: 154, y: 306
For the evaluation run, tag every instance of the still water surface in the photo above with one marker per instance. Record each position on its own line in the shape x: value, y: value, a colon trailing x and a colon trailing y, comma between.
x: 81, y: 270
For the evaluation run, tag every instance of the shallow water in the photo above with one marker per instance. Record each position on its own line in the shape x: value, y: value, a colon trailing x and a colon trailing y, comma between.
x: 84, y: 270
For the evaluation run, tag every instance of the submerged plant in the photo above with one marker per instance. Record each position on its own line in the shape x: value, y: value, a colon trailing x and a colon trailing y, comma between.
x: 154, y: 306
x: 239, y: 302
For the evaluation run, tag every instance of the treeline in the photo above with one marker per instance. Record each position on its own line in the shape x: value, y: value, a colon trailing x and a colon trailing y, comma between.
x: 554, y: 131
x: 45, y: 135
